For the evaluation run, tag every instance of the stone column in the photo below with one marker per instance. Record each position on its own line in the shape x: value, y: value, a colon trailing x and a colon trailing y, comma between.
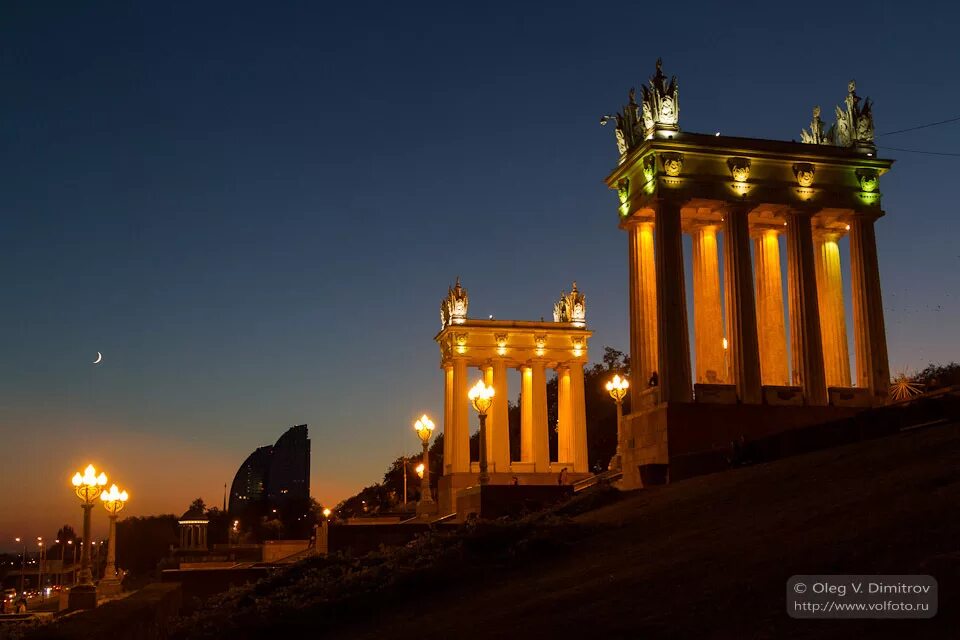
x: 870, y: 340
x: 564, y: 416
x: 541, y: 442
x: 578, y: 419
x: 673, y: 342
x: 707, y: 314
x: 526, y: 414
x: 183, y: 537
x: 833, y: 321
x: 743, y: 348
x: 643, y: 309
x: 448, y: 427
x: 460, y: 447
x: 771, y: 329
x: 804, y: 312
x: 499, y: 416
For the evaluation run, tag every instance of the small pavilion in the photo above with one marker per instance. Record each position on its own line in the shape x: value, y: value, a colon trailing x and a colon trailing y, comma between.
x: 193, y: 530
x: 494, y: 346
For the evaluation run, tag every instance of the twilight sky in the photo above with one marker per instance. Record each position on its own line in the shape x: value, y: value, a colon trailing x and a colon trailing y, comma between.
x: 253, y: 210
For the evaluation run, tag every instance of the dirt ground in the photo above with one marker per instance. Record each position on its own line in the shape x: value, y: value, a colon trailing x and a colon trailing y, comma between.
x: 709, y: 557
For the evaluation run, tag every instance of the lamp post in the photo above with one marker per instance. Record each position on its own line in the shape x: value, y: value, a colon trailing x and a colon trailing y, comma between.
x: 40, y: 566
x: 424, y: 428
x: 88, y: 487
x: 56, y: 581
x: 23, y: 561
x: 482, y: 397
x: 73, y: 564
x: 617, y: 388
x: 113, y: 501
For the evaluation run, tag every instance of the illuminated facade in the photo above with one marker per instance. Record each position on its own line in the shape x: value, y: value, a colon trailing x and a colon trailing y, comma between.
x: 493, y: 347
x: 764, y: 358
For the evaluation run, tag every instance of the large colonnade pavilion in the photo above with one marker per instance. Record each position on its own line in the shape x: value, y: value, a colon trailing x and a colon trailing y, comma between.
x: 768, y: 357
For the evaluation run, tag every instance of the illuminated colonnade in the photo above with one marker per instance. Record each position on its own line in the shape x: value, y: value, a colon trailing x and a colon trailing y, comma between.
x: 728, y: 194
x: 490, y: 348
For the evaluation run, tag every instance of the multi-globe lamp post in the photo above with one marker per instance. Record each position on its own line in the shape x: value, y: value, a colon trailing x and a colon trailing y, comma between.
x: 617, y: 388
x: 482, y: 397
x: 88, y: 487
x: 424, y: 427
x: 113, y: 501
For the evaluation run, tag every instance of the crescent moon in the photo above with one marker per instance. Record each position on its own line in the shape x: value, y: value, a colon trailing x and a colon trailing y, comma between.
x: 99, y: 358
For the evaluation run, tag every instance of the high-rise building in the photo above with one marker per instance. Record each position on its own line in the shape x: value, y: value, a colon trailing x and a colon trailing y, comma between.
x: 273, y: 476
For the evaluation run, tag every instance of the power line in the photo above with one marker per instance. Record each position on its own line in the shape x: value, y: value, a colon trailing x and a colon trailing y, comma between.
x: 928, y: 153
x: 922, y: 126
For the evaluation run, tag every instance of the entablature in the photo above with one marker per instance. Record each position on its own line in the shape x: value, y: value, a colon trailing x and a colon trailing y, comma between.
x: 691, y: 167
x: 514, y: 342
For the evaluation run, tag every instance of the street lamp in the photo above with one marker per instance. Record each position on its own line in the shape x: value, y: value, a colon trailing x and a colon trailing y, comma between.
x: 482, y: 397
x: 113, y: 501
x: 23, y: 561
x: 617, y: 388
x: 424, y: 428
x: 420, y: 469
x: 73, y: 564
x: 88, y: 487
x: 326, y: 513
x: 40, y: 567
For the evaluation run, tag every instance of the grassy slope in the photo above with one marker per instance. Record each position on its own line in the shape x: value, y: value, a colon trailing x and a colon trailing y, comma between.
x: 709, y: 557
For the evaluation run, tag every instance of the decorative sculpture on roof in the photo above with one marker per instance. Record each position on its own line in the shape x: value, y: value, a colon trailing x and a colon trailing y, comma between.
x: 663, y: 101
x: 854, y: 126
x: 658, y: 110
x: 571, y: 307
x: 816, y: 135
x: 453, y: 308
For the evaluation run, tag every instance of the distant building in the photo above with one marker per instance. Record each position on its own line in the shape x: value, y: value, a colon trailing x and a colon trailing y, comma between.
x: 273, y: 476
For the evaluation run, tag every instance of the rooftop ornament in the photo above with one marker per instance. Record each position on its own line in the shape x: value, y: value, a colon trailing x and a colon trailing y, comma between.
x: 571, y: 307
x: 657, y: 113
x: 853, y: 128
x: 453, y: 308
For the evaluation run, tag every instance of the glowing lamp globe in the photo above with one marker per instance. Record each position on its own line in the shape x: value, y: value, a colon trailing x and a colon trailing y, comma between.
x: 481, y: 396
x: 617, y: 387
x: 424, y: 428
x: 88, y: 485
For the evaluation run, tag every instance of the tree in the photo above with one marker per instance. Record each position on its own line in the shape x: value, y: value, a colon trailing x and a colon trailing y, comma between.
x: 65, y: 533
x: 198, y: 505
x: 142, y: 542
x: 938, y: 376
